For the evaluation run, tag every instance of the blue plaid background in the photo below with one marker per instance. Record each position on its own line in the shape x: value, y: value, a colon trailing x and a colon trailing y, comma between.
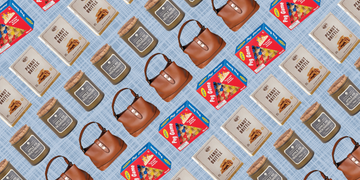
x: 168, y: 45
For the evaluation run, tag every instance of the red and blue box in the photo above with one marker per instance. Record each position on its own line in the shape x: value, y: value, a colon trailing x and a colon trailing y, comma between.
x: 260, y: 48
x: 147, y: 164
x: 46, y: 4
x: 14, y: 24
x: 183, y: 126
x: 292, y: 12
x: 221, y: 85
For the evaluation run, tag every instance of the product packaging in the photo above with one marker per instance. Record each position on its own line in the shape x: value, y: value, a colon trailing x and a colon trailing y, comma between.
x: 352, y: 8
x: 46, y: 4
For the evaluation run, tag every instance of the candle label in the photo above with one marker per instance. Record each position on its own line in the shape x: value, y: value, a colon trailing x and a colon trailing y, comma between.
x: 270, y: 174
x: 11, y: 175
x: 87, y: 93
x: 113, y: 67
x: 141, y: 39
x: 60, y: 120
x: 350, y: 98
x: 323, y: 125
x: 297, y: 152
x: 32, y: 147
x: 168, y: 13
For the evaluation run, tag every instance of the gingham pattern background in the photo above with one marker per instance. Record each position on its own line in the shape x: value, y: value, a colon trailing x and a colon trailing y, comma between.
x: 69, y: 146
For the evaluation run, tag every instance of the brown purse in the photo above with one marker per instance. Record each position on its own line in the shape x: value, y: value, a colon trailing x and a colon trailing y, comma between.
x: 235, y: 13
x: 72, y: 172
x: 138, y: 115
x: 322, y: 174
x: 105, y: 149
x: 350, y: 166
x: 170, y: 81
x: 205, y: 46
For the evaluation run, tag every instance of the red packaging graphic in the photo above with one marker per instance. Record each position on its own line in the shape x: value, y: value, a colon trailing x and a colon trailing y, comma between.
x: 46, y: 4
x: 183, y: 126
x: 292, y: 12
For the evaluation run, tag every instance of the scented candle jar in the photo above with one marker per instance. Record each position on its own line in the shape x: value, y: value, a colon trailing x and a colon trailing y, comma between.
x: 166, y: 12
x: 345, y: 93
x: 29, y: 145
x: 263, y: 169
x: 320, y: 122
x: 110, y: 64
x: 57, y: 118
x: 357, y: 64
x: 294, y: 149
x: 138, y: 37
x: 84, y: 91
x: 8, y: 172
x: 193, y: 3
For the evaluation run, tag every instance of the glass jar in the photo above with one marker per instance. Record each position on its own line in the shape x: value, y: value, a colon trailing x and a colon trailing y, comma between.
x: 29, y: 145
x: 294, y: 149
x: 8, y: 172
x: 193, y: 3
x: 166, y: 12
x: 110, y: 64
x: 263, y: 169
x: 84, y: 91
x: 320, y: 122
x: 135, y: 34
x: 357, y: 64
x: 344, y: 92
x: 57, y: 118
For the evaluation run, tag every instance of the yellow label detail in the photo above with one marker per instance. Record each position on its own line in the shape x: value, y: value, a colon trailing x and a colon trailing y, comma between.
x: 241, y: 45
x: 127, y: 175
x: 166, y: 133
x: 202, y: 81
x: 126, y: 164
x: 29, y: 20
x: 275, y: 2
x: 205, y: 120
x: 242, y: 56
x: 281, y: 42
x: 276, y: 11
x: 242, y: 78
x: 167, y: 162
x: 203, y: 92
x: 162, y: 125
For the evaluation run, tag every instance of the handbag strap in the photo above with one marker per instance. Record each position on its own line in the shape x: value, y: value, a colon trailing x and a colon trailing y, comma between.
x: 82, y: 132
x: 147, y: 64
x: 117, y: 94
x: 182, y: 27
x: 213, y: 6
x: 336, y: 144
x: 322, y: 174
x: 48, y: 165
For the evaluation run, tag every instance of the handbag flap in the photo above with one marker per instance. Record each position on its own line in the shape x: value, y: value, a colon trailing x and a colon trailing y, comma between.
x: 235, y: 12
x: 74, y: 173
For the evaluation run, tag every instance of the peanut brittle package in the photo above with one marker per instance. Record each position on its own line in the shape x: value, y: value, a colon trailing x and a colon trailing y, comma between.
x: 183, y: 174
x: 335, y: 38
x: 46, y: 4
x: 96, y: 14
x: 147, y: 164
x: 292, y: 12
x: 275, y: 99
x: 183, y: 126
x: 352, y: 8
x: 304, y: 69
x: 222, y: 84
x: 64, y: 40
x: 246, y: 130
x: 35, y: 71
x: 13, y: 105
x: 217, y: 160
x: 260, y: 48
x: 14, y: 24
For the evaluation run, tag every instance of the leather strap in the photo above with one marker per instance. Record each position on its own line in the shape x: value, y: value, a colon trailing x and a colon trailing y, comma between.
x: 322, y: 174
x: 48, y: 165
x: 117, y: 94
x: 336, y: 144
x: 182, y: 27
x: 147, y: 64
x: 213, y: 6
x: 82, y: 132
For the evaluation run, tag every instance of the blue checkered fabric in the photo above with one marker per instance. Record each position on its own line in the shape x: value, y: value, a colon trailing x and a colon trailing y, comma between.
x: 69, y: 146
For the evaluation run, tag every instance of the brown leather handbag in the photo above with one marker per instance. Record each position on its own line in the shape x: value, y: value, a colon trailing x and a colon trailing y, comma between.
x: 72, y: 172
x: 235, y: 13
x: 322, y: 174
x: 205, y: 46
x: 170, y: 81
x: 138, y: 115
x: 350, y: 166
x: 105, y: 149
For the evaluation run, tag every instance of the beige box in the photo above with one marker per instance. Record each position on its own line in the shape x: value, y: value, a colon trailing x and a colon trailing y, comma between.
x: 96, y: 14
x: 217, y: 160
x: 64, y: 40
x: 334, y: 37
x: 13, y: 105
x: 275, y: 99
x: 34, y: 71
x: 304, y: 69
x: 352, y: 8
x: 183, y: 174
x: 246, y: 130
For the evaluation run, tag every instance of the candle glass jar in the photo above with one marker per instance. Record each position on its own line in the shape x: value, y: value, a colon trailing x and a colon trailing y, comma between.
x: 193, y: 3
x: 8, y: 172
x: 264, y: 169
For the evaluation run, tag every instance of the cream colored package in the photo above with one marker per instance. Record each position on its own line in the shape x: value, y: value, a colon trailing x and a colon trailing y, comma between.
x: 35, y: 71
x: 352, y: 8
x: 183, y: 174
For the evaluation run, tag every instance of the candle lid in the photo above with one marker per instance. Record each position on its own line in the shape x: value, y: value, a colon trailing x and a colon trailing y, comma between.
x: 256, y: 165
x: 337, y: 84
x: 19, y: 134
x: 150, y: 3
x: 73, y: 80
x: 310, y: 111
x: 100, y: 53
x: 357, y: 63
x: 283, y: 138
x: 46, y: 107
x: 3, y: 164
x: 127, y: 26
